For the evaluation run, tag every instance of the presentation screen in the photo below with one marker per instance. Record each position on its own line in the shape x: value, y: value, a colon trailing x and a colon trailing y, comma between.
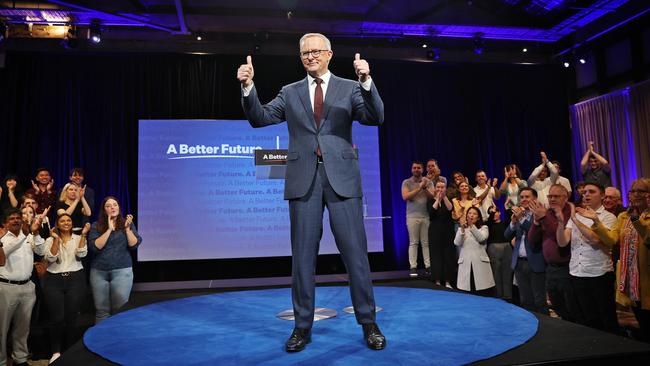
x: 201, y: 196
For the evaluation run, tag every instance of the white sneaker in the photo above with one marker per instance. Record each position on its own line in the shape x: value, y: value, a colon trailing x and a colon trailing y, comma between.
x: 55, y: 356
x: 448, y: 285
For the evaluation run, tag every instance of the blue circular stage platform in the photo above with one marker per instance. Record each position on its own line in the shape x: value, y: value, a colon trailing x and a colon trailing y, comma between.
x: 422, y: 326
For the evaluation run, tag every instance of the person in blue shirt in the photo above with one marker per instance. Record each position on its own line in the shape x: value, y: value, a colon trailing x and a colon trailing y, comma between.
x: 110, y: 241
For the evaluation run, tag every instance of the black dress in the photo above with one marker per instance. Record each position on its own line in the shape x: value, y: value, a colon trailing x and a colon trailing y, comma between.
x: 441, y: 244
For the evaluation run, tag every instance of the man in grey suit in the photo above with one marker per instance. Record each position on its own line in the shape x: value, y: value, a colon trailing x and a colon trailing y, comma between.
x: 322, y: 170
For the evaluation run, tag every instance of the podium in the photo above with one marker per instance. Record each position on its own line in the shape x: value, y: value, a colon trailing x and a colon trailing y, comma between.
x: 270, y: 163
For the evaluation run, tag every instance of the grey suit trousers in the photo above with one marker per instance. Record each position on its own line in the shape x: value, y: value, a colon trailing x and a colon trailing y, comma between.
x: 346, y: 219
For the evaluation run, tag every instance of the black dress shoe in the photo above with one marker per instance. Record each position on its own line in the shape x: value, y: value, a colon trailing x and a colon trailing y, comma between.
x: 374, y: 339
x: 298, y: 340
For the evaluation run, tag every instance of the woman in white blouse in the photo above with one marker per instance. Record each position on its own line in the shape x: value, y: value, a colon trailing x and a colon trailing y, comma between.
x: 474, y: 271
x: 65, y: 283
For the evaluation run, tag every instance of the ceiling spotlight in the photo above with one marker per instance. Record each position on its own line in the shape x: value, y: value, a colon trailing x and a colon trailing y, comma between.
x: 566, y: 64
x: 199, y: 38
x: 424, y: 45
x: 582, y: 60
x: 524, y: 50
x: 94, y: 32
x: 479, y: 43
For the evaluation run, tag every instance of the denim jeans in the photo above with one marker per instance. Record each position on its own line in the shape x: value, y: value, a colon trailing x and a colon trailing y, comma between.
x: 111, y: 290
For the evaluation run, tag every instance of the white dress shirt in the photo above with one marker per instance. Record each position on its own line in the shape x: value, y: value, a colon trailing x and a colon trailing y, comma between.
x: 589, y: 260
x: 66, y: 258
x: 19, y: 251
x: 542, y: 186
x: 311, y: 81
x: 487, y: 201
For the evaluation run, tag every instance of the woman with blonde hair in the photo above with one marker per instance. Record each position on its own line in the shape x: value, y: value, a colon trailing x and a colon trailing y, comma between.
x: 72, y: 202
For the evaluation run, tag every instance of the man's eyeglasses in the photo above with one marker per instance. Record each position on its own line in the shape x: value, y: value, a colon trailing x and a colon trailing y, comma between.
x: 313, y: 53
x: 639, y: 191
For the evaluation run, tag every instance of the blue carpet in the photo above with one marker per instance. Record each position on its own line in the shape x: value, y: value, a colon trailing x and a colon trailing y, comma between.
x: 422, y: 326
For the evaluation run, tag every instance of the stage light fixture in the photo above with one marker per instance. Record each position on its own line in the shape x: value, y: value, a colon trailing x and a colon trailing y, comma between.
x: 424, y: 45
x: 582, y: 60
x: 70, y: 41
x: 95, y: 32
x: 566, y: 64
x: 524, y: 50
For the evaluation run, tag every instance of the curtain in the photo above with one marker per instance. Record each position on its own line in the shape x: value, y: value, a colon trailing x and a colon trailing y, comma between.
x: 619, y: 125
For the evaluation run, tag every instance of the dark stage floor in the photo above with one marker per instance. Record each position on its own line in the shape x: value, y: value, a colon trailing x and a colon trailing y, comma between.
x: 556, y: 342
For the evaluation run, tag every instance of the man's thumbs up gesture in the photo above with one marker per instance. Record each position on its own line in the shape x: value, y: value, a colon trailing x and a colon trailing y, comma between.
x: 245, y: 72
x: 361, y: 68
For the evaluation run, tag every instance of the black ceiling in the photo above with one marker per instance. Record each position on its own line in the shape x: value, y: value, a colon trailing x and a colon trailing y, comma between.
x: 545, y: 26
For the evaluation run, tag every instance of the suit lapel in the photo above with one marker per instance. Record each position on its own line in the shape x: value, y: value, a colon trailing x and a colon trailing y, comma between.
x: 303, y: 93
x: 332, y: 94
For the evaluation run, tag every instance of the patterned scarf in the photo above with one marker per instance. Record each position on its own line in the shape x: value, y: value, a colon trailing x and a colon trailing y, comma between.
x: 628, y: 282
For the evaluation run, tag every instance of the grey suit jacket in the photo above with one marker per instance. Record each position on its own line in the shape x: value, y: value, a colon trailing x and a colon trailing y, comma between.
x: 344, y: 102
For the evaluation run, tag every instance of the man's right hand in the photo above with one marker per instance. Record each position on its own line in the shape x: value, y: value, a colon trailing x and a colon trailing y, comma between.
x: 245, y: 73
x: 539, y: 211
x: 517, y: 213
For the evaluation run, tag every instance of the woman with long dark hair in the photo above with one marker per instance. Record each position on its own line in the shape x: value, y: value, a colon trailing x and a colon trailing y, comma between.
x: 64, y: 285
x: 474, y: 271
x: 110, y: 241
x: 510, y: 186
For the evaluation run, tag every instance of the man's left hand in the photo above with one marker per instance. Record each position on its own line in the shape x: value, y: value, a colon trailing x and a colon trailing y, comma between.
x: 361, y: 68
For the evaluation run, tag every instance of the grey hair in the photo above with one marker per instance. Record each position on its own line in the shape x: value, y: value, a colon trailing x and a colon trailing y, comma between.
x: 617, y: 191
x: 328, y: 45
